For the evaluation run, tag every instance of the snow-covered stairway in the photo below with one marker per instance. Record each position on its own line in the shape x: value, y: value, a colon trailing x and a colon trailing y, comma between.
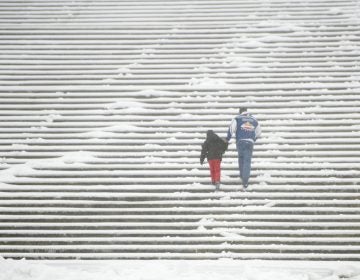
x: 104, y: 106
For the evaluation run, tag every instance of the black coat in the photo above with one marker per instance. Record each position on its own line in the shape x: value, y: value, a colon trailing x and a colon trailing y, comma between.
x: 213, y: 148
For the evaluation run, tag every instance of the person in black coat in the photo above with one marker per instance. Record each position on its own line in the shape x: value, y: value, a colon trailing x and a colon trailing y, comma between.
x: 213, y: 149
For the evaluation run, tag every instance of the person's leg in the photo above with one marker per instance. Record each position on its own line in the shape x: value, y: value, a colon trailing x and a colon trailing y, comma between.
x: 239, y: 148
x: 216, y: 173
x: 212, y: 170
x: 217, y: 170
x: 247, y: 155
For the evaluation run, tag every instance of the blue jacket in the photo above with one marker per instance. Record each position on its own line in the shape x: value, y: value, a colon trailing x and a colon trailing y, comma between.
x: 245, y: 127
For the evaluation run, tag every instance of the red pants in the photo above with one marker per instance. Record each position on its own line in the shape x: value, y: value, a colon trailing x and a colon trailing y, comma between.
x: 215, y: 169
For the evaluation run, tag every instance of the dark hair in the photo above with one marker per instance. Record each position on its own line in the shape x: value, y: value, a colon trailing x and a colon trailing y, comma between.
x: 242, y: 110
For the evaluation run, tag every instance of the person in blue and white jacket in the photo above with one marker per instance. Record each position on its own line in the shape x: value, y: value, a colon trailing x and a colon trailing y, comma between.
x: 246, y: 130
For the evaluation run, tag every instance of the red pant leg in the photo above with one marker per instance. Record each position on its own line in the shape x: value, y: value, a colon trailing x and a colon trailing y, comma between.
x: 211, y: 168
x: 215, y: 170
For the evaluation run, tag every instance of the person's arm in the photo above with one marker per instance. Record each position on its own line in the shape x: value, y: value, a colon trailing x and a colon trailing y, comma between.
x: 231, y: 130
x: 203, y: 152
x: 224, y: 146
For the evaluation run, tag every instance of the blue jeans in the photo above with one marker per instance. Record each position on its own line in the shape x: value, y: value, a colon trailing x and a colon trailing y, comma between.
x: 245, y: 150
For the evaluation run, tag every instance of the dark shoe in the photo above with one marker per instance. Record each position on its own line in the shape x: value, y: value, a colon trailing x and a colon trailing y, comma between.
x: 217, y: 186
x: 245, y: 186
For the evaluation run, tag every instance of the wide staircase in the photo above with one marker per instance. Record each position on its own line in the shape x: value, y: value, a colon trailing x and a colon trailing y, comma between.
x: 105, y: 104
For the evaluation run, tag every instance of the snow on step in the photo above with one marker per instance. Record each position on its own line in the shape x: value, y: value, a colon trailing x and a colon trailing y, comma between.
x: 104, y: 107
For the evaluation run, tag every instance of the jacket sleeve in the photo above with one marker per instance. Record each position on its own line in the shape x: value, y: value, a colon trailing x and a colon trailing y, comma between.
x: 204, y: 151
x: 231, y: 130
x: 226, y: 144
